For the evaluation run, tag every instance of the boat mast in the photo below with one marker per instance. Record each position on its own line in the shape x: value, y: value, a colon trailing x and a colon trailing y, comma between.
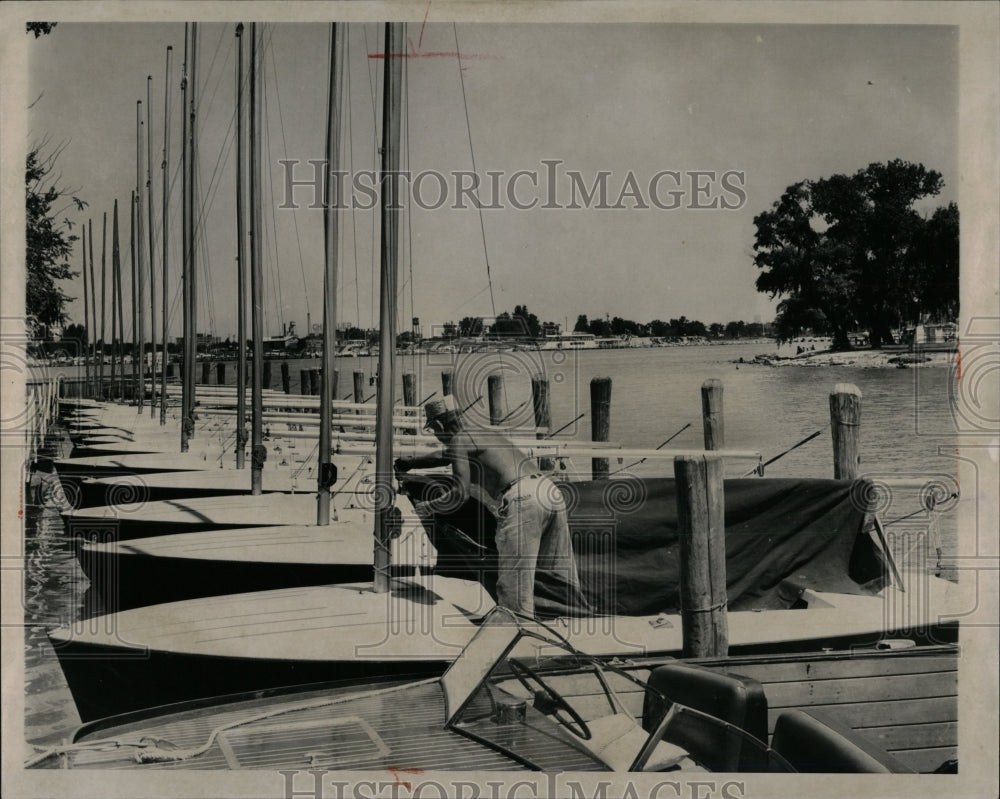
x: 188, y: 265
x: 104, y: 296
x: 257, y: 450
x: 241, y: 300
x: 114, y: 298
x: 93, y: 301
x: 135, y: 304
x: 392, y: 80
x: 140, y: 280
x: 117, y: 260
x: 165, y: 177
x: 331, y: 235
x: 86, y: 315
x: 152, y: 268
x: 193, y: 224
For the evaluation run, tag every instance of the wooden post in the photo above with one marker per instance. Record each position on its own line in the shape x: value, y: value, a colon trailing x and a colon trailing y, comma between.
x: 409, y: 389
x: 220, y: 373
x: 498, y: 408
x: 359, y: 388
x: 206, y: 371
x: 701, y: 517
x: 543, y: 418
x: 286, y: 379
x: 170, y: 370
x: 447, y: 379
x: 336, y: 384
x: 266, y: 376
x: 314, y: 381
x: 303, y: 381
x: 409, y: 393
x: 845, y: 425
x: 711, y: 414
x: 600, y: 421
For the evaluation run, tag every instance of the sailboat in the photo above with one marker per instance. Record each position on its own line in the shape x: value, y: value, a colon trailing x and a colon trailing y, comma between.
x: 198, y: 648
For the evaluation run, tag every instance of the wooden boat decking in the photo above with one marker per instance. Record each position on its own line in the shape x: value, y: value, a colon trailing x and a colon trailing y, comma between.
x: 172, y: 568
x: 904, y: 700
x: 260, y: 639
x: 139, y: 519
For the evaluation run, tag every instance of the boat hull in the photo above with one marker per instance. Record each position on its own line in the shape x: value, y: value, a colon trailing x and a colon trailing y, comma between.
x: 113, y: 664
x: 175, y: 568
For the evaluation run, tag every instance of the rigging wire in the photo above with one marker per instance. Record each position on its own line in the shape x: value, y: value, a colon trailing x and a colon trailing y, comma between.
x: 479, y: 205
x: 284, y: 148
x: 270, y: 238
x: 350, y: 159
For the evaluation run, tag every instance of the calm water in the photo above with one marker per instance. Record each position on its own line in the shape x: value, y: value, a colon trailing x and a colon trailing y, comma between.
x: 906, y: 426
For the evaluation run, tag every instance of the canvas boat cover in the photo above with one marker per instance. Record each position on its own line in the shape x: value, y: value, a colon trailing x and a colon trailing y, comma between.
x: 783, y: 535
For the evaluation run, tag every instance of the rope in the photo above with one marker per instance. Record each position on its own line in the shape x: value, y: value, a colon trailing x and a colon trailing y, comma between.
x: 153, y: 750
x: 710, y: 609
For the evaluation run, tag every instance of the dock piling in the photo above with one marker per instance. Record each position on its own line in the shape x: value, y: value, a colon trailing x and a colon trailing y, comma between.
x: 711, y: 414
x: 543, y: 417
x: 447, y: 380
x: 359, y: 388
x: 701, y: 518
x: 206, y: 371
x: 220, y: 373
x: 286, y: 379
x: 600, y: 421
x: 845, y: 426
x: 315, y: 379
x: 498, y: 408
x: 266, y: 374
x: 410, y: 394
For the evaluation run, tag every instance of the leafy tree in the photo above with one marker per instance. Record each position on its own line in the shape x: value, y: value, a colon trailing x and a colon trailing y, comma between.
x: 39, y: 28
x: 716, y: 330
x: 736, y: 330
x: 659, y: 328
x: 582, y: 325
x: 695, y: 328
x: 531, y: 323
x: 600, y: 327
x: 470, y: 326
x: 851, y: 250
x: 49, y: 243
x: 934, y: 260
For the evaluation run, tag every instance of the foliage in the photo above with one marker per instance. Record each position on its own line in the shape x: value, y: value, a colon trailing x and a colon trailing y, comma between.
x: 851, y: 250
x: 39, y: 28
x: 74, y: 334
x: 520, y: 324
x: 49, y: 243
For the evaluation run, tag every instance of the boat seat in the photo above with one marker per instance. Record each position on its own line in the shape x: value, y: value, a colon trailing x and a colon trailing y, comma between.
x: 732, y: 698
x: 618, y: 739
x: 814, y: 742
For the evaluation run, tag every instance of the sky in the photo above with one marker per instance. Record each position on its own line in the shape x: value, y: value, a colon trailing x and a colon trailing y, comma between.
x: 769, y: 105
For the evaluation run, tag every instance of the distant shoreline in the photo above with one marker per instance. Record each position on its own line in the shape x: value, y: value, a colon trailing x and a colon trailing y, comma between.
x: 864, y: 359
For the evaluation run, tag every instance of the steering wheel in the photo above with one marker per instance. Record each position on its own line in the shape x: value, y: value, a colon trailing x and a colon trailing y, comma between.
x: 575, y: 724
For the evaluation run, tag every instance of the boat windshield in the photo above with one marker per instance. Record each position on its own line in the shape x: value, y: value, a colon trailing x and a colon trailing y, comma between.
x: 522, y: 689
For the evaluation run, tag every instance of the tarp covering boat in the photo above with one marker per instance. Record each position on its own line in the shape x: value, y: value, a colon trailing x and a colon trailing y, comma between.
x: 783, y: 535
